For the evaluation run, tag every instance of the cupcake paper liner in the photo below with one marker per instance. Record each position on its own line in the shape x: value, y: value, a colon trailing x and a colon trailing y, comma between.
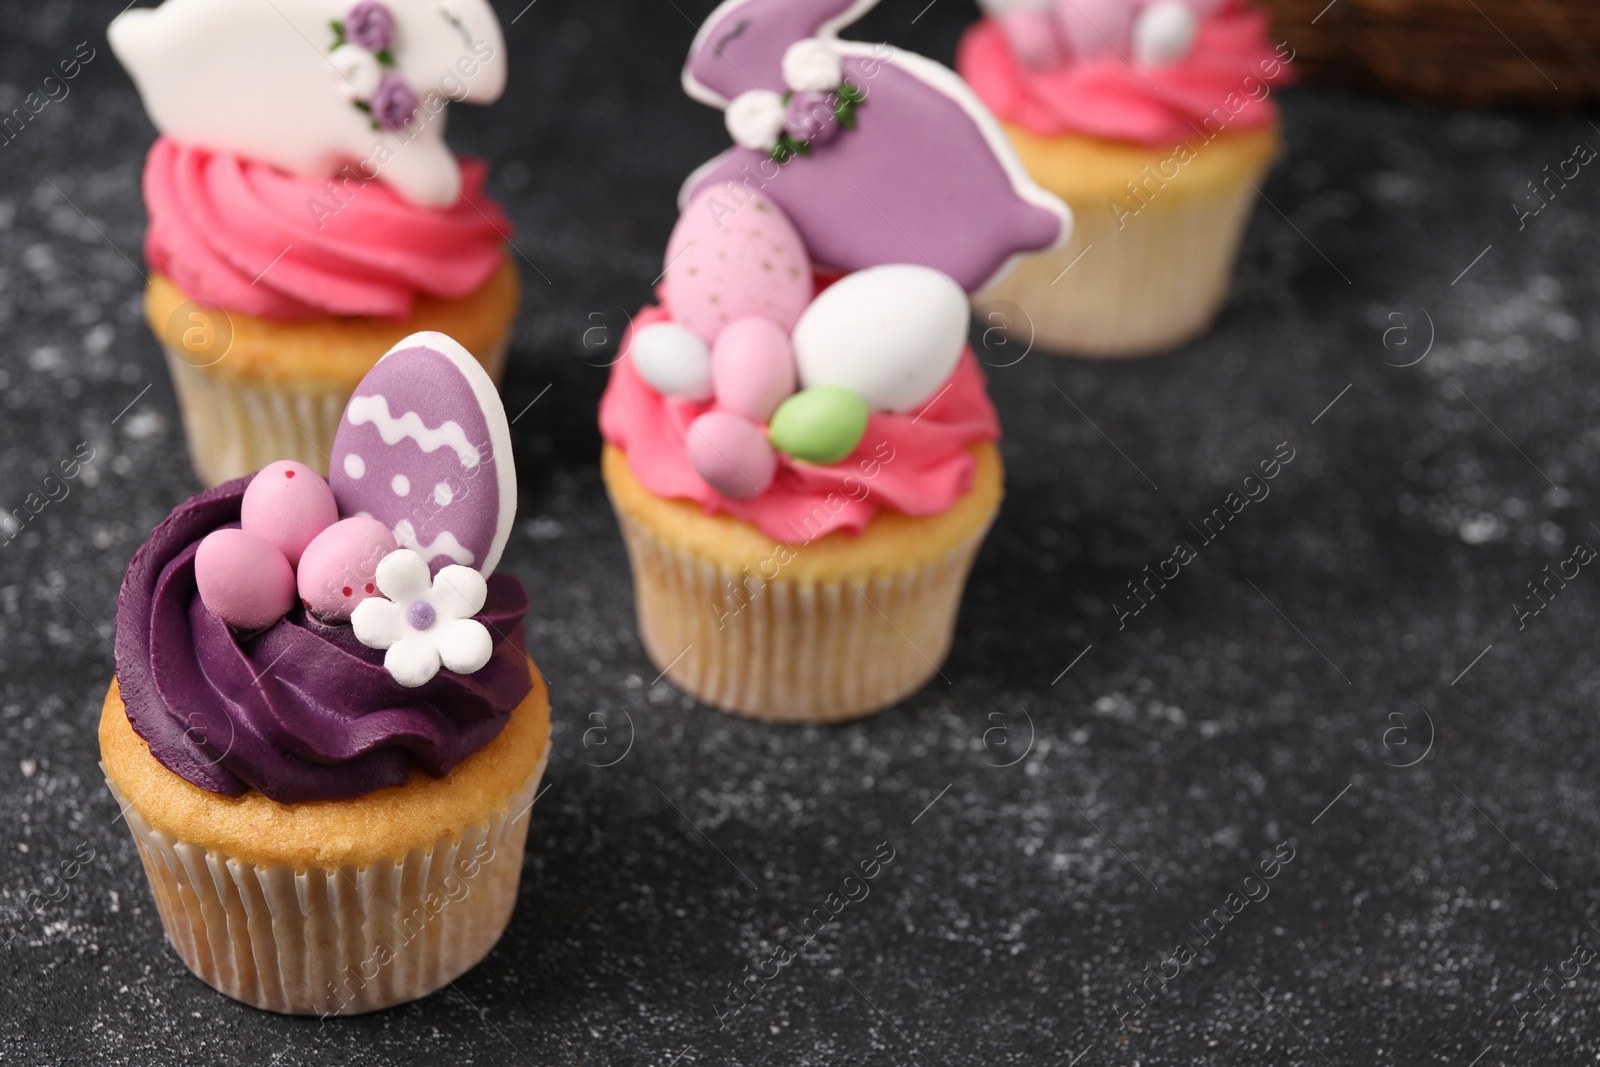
x: 343, y: 940
x: 1149, y: 286
x: 236, y: 425
x: 794, y: 651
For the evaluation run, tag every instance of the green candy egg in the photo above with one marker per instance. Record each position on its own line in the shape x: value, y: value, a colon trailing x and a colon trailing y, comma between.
x: 822, y: 424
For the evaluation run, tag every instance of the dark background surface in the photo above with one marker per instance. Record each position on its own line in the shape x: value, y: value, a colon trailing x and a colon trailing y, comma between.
x: 1249, y: 705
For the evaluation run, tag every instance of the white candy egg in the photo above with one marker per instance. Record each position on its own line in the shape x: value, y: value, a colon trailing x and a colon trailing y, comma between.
x: 674, y: 360
x: 1163, y: 33
x: 891, y: 334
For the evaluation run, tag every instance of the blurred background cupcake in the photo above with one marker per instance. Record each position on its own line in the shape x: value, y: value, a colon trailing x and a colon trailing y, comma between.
x: 800, y: 448
x: 324, y: 731
x: 305, y: 212
x: 1153, y: 119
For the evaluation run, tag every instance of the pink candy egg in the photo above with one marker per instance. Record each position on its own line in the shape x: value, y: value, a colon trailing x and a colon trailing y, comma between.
x: 1096, y: 27
x: 731, y: 454
x: 288, y: 504
x: 752, y: 367
x: 1032, y: 36
x: 337, y: 568
x: 244, y: 580
x: 733, y: 253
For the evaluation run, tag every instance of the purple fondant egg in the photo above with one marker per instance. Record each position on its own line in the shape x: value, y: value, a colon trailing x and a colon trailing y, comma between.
x: 752, y: 367
x: 734, y: 254
x: 732, y: 454
x: 337, y: 570
x: 243, y: 579
x: 425, y: 449
x: 673, y: 360
x: 288, y: 504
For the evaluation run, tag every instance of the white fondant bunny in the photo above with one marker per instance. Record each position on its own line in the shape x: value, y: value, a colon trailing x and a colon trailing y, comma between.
x: 1151, y: 33
x: 259, y: 79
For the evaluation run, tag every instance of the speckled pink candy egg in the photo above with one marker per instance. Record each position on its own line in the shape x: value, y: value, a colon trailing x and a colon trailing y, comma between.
x: 337, y: 568
x: 288, y: 504
x: 244, y: 580
x: 734, y: 254
x: 752, y: 367
x: 732, y: 454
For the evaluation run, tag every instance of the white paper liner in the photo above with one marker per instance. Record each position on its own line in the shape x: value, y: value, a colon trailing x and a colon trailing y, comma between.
x: 1150, y: 286
x: 236, y: 425
x: 344, y: 940
x: 794, y: 651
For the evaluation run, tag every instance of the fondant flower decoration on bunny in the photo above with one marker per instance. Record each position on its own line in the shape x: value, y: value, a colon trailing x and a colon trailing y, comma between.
x: 265, y: 81
x: 817, y: 104
x: 902, y: 163
x: 426, y: 621
x: 360, y: 53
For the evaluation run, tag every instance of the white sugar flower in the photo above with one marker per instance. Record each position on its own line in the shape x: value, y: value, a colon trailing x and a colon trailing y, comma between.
x: 755, y: 119
x: 423, y: 623
x: 359, y: 73
x: 812, y: 66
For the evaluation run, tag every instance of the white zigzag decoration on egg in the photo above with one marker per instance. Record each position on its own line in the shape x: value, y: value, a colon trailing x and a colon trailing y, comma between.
x: 375, y: 409
x: 445, y: 544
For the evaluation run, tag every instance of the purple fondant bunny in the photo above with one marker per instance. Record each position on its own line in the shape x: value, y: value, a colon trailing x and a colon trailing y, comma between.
x: 919, y: 171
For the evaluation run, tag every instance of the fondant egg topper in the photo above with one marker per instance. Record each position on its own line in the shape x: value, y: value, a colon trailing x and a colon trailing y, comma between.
x: 876, y: 155
x: 313, y: 86
x: 400, y: 540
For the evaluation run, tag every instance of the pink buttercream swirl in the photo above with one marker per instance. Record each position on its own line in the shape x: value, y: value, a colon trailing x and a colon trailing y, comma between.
x: 916, y: 463
x: 250, y: 238
x: 1223, y: 78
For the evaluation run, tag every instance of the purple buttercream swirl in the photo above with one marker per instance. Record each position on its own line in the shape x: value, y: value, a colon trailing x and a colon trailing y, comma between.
x: 301, y: 711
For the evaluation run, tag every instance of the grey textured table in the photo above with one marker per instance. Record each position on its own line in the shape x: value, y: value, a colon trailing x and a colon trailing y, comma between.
x: 1343, y: 669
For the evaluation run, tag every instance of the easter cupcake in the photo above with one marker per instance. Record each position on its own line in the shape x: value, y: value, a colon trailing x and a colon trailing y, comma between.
x: 1152, y: 118
x: 324, y: 732
x: 798, y: 442
x: 305, y: 212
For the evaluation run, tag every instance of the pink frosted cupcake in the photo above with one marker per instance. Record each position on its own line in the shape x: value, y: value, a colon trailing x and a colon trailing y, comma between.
x: 305, y: 213
x: 324, y: 731
x: 1153, y: 119
x: 799, y: 446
